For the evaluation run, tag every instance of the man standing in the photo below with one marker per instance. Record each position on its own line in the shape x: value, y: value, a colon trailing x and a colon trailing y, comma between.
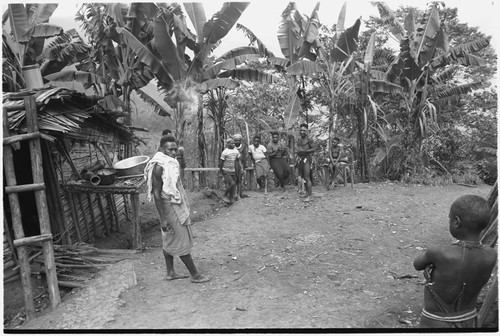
x: 305, y: 149
x: 163, y: 183
x: 241, y: 164
x: 258, y: 153
x: 278, y: 153
x: 337, y: 156
x: 227, y: 166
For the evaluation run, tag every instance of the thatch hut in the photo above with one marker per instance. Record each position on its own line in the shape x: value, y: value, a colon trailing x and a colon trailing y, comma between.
x: 77, y: 130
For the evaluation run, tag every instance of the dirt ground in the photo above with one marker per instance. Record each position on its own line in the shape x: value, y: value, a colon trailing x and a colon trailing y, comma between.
x: 343, y: 260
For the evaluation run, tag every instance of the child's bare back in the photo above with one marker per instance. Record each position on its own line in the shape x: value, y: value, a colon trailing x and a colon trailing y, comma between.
x: 456, y: 273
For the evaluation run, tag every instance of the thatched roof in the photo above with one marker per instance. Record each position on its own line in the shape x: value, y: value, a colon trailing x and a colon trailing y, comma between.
x: 61, y: 111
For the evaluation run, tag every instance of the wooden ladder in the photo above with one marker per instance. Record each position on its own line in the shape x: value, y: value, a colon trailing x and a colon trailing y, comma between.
x: 38, y: 187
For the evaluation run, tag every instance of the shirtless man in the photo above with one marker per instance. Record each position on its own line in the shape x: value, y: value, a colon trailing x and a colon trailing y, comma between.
x: 456, y: 273
x: 305, y: 149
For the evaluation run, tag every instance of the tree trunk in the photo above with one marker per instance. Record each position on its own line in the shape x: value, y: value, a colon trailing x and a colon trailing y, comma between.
x: 362, y: 157
x: 202, y: 146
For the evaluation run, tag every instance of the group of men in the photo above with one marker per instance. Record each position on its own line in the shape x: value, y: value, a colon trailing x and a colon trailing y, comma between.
x: 455, y: 274
x: 273, y: 157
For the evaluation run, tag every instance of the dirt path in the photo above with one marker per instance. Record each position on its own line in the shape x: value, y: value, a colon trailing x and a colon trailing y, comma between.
x: 342, y: 261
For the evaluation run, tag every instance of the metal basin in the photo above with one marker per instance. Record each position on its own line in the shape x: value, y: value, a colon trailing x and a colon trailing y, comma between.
x: 132, y: 166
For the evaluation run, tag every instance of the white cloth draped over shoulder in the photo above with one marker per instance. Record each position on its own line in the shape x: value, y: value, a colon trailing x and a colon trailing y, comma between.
x: 172, y: 185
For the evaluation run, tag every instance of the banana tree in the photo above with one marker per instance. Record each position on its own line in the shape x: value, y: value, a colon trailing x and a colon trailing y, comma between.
x: 25, y: 29
x: 423, y: 71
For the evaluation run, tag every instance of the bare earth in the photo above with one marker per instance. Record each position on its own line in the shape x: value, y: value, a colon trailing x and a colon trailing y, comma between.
x: 342, y: 261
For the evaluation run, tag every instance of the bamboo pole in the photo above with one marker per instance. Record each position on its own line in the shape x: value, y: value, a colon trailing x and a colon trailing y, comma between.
x: 115, y: 212
x: 85, y: 219
x: 114, y: 216
x: 92, y: 215
x: 54, y: 192
x: 136, y: 222
x: 103, y: 213
x: 17, y: 225
x: 126, y: 206
x: 41, y: 201
x: 9, y: 240
x: 74, y: 215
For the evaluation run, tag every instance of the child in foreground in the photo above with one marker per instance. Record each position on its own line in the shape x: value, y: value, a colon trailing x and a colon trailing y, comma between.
x: 456, y: 273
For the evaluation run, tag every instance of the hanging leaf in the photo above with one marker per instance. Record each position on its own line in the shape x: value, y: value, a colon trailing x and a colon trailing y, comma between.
x: 390, y: 19
x: 167, y: 49
x: 147, y: 57
x: 385, y: 87
x: 229, y: 64
x: 73, y: 75
x: 262, y: 49
x: 222, y: 21
x: 459, y: 52
x: 151, y: 101
x: 410, y: 23
x: 250, y: 75
x: 278, y: 61
x: 46, y: 30
x: 237, y: 52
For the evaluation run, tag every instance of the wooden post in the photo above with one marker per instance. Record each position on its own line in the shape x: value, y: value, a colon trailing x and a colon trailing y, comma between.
x: 41, y: 202
x: 9, y: 240
x: 103, y: 213
x: 85, y: 219
x: 196, y: 180
x: 136, y: 222
x: 17, y: 224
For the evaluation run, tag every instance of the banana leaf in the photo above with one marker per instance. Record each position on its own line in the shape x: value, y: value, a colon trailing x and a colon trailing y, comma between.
x: 347, y: 43
x: 293, y: 108
x: 237, y: 52
x: 74, y: 75
x: 147, y: 57
x: 229, y: 64
x: 222, y: 21
x: 369, y: 53
x: 196, y: 13
x: 262, y: 49
x: 167, y: 49
x: 424, y: 41
x: 303, y: 67
x: 250, y: 75
x: 46, y: 30
x: 289, y: 37
x: 384, y: 87
x: 151, y: 101
x: 212, y: 84
x: 42, y: 13
x: 390, y: 19
x: 19, y: 22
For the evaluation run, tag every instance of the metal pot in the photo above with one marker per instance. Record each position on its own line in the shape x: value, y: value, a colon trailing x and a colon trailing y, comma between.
x: 132, y: 166
x: 106, y: 176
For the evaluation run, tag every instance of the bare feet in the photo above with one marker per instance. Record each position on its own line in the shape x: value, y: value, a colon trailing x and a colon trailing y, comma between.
x: 307, y: 199
x: 200, y: 278
x: 175, y: 276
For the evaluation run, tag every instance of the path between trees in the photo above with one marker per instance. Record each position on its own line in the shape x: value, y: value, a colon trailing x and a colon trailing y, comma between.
x: 342, y: 261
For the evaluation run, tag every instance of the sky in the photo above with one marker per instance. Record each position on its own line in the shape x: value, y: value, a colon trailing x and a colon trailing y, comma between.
x: 262, y: 17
